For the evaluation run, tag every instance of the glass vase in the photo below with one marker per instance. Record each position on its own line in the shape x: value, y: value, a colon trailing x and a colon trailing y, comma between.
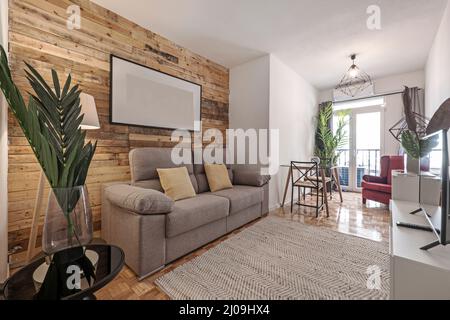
x: 68, y: 220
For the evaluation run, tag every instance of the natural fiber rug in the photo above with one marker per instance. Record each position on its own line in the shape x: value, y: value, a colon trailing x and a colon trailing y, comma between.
x: 280, y: 259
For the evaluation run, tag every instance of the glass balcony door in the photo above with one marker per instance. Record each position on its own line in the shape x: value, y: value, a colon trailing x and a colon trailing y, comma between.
x: 362, y: 153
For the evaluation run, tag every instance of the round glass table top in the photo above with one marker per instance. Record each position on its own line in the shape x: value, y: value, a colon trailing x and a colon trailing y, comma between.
x: 108, y: 260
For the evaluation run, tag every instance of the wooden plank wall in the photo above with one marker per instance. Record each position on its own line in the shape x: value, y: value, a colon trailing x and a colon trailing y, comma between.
x: 38, y: 35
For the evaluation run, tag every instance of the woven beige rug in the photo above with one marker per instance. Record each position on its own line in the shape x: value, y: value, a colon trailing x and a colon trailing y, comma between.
x: 280, y: 259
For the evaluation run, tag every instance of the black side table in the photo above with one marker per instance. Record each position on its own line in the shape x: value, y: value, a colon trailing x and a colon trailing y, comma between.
x: 111, y: 259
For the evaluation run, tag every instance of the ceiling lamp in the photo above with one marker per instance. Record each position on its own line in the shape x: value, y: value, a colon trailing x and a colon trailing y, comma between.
x: 354, y: 81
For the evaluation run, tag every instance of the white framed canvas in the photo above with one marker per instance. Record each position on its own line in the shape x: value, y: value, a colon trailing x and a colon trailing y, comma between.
x: 142, y: 96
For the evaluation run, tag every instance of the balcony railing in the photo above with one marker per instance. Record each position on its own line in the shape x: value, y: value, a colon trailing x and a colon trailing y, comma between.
x: 367, y: 162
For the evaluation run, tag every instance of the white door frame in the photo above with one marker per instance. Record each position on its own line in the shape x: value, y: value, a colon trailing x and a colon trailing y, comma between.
x: 352, y: 142
x: 3, y: 155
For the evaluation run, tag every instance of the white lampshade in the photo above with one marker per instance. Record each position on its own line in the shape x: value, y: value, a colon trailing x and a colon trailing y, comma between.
x: 88, y: 108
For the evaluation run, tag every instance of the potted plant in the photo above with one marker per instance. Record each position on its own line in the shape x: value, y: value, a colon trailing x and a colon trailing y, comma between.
x: 416, y: 148
x: 328, y: 143
x: 51, y: 124
x: 412, y: 137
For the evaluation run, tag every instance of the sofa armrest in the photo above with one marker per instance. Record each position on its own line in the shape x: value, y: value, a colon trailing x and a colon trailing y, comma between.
x: 139, y: 200
x: 375, y: 179
x: 250, y: 178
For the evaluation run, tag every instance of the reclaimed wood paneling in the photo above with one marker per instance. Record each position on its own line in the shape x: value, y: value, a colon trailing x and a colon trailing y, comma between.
x: 39, y: 36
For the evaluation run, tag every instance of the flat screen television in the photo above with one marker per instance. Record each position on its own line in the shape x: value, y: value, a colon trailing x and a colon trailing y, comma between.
x: 434, y: 188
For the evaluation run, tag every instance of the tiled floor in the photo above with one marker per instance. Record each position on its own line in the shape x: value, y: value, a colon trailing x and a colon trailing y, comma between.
x: 352, y: 217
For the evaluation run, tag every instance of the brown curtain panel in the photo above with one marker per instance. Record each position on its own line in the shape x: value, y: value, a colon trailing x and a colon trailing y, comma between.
x: 417, y: 97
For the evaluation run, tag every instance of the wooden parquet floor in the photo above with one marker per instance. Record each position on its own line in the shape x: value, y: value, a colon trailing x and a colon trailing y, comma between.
x: 369, y: 221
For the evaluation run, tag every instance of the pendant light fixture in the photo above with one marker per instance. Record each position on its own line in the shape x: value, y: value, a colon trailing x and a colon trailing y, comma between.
x: 354, y: 81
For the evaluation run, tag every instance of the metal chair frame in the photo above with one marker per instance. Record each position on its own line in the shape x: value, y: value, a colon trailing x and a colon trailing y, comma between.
x: 309, y: 171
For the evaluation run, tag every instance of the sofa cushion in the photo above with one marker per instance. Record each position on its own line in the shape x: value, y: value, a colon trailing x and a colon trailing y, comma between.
x: 192, y: 213
x: 176, y: 183
x: 380, y: 187
x: 241, y: 197
x: 145, y: 161
x: 199, y: 170
x: 202, y: 180
x: 250, y: 178
x: 218, y: 178
x: 138, y: 200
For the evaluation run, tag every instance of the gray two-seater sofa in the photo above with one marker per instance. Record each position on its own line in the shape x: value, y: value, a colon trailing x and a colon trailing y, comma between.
x: 153, y: 230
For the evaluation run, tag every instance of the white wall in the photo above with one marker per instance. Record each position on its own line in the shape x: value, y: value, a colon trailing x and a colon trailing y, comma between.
x: 249, y: 95
x: 293, y: 107
x: 266, y: 94
x: 3, y: 155
x: 249, y: 99
x: 438, y: 67
x: 392, y: 112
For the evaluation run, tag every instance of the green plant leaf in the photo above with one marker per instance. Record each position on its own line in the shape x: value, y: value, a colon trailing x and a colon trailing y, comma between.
x: 327, y: 142
x: 410, y: 143
x: 418, y: 148
x: 428, y: 144
x: 51, y: 125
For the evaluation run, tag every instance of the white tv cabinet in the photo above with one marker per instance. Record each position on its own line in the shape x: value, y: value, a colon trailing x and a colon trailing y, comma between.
x: 405, y: 186
x: 415, y: 273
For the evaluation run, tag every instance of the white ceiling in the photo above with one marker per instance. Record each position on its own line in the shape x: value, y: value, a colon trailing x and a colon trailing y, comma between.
x: 314, y: 37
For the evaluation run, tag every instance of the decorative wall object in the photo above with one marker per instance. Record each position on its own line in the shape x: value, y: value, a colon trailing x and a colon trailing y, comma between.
x: 39, y: 35
x: 440, y: 119
x: 146, y: 97
x: 413, y: 114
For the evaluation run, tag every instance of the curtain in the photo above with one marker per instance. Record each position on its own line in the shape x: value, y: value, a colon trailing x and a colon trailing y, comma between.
x: 417, y: 100
x: 413, y: 108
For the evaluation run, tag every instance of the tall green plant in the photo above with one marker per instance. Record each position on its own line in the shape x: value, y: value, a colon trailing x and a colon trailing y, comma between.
x: 51, y: 124
x: 327, y: 142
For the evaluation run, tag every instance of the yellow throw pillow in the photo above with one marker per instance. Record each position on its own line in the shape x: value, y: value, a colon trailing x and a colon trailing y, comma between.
x: 217, y: 176
x: 176, y: 183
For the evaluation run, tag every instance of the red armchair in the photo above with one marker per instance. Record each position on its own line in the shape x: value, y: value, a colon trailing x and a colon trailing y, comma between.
x: 378, y: 188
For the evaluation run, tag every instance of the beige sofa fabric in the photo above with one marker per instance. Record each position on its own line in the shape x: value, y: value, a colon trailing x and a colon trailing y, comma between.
x: 153, y: 230
x: 250, y: 178
x: 145, y: 161
x: 200, y: 174
x: 139, y: 200
x: 241, y: 197
x: 192, y: 213
x: 176, y: 183
x: 217, y: 176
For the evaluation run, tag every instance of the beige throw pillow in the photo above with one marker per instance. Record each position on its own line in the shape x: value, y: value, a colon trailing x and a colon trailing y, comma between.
x: 176, y: 183
x: 217, y: 176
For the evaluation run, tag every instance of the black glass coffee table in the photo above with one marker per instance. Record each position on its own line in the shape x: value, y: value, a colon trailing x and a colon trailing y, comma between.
x: 109, y: 260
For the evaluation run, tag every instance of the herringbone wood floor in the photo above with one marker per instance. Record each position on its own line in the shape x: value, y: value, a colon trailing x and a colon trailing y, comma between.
x: 352, y: 217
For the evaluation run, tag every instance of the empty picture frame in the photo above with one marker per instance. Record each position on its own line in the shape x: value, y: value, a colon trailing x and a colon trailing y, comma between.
x: 141, y: 96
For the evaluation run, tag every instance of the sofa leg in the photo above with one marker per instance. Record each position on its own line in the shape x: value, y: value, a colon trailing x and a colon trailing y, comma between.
x: 364, y: 200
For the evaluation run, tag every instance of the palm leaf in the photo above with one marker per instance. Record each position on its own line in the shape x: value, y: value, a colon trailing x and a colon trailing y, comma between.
x: 418, y: 148
x: 51, y: 124
x: 327, y: 142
